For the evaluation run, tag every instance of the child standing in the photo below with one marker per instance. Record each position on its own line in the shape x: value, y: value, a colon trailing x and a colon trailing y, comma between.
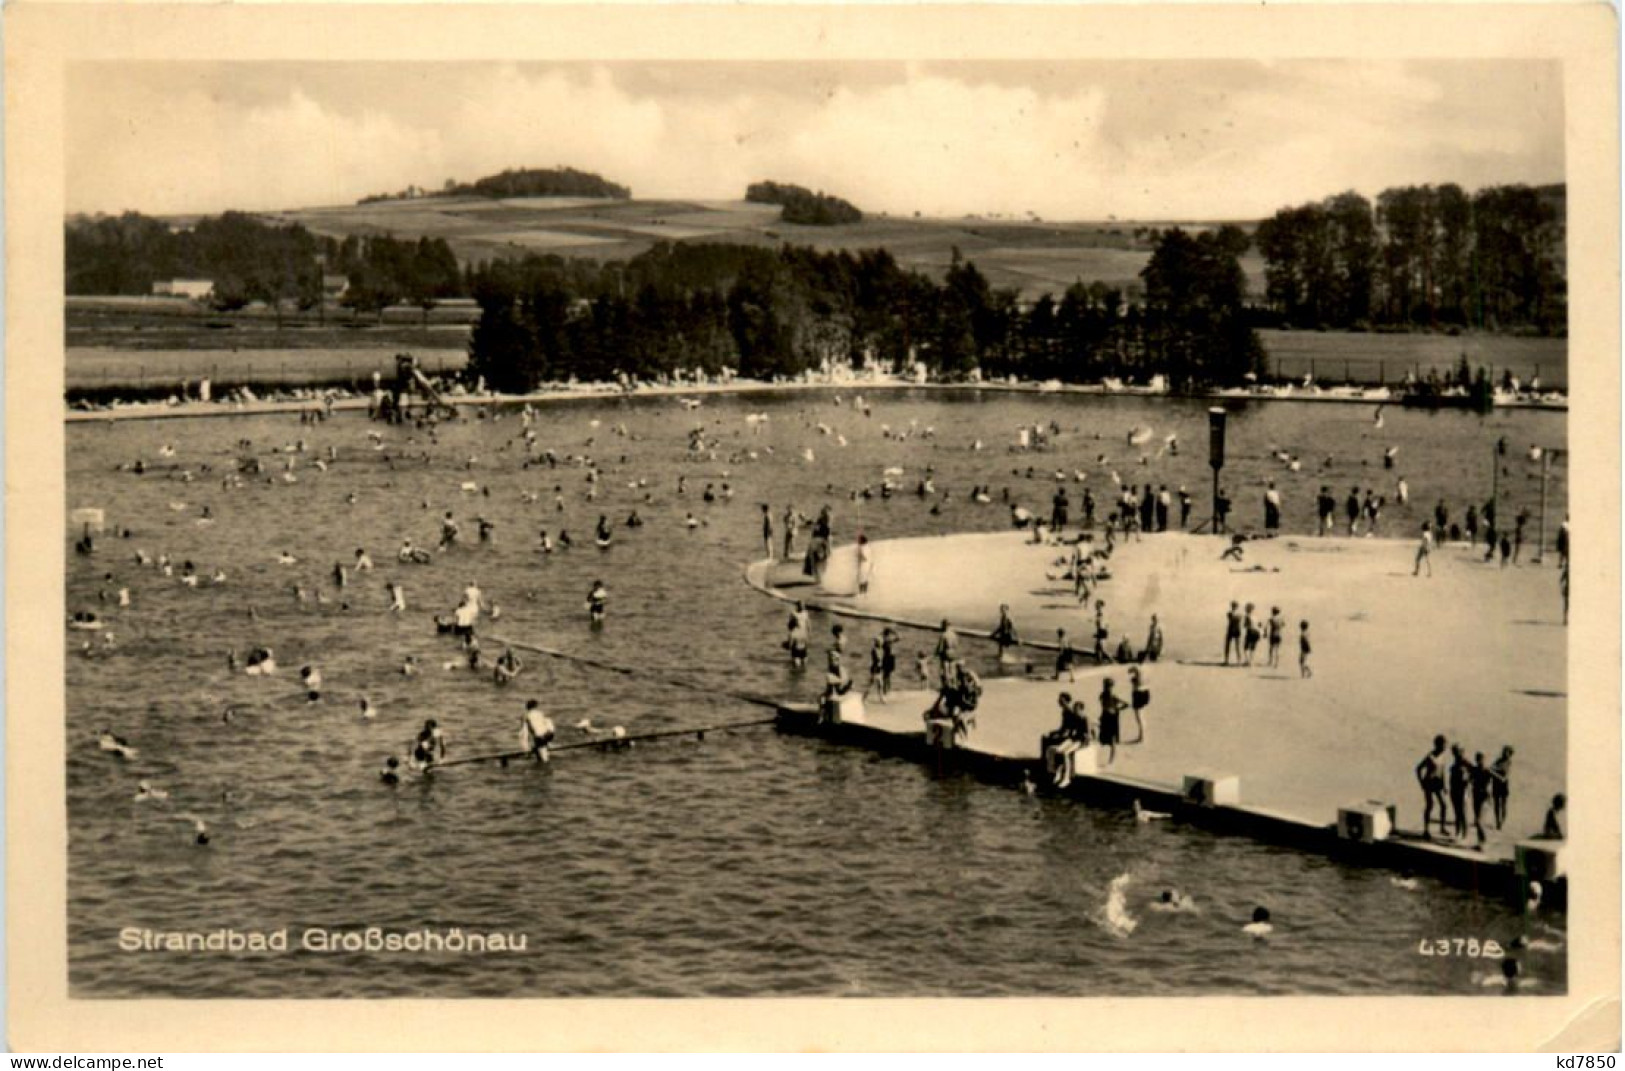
x: 1304, y: 669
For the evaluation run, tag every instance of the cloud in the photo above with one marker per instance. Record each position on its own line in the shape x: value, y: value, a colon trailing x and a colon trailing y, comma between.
x: 1145, y: 140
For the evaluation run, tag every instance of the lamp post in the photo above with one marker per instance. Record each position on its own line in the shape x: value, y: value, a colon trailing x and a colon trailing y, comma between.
x: 1547, y: 455
x: 1215, y: 428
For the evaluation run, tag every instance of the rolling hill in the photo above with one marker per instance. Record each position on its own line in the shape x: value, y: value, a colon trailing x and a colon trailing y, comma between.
x: 1030, y: 256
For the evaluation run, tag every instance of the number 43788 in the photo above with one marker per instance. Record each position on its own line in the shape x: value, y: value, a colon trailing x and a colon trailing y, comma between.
x: 1465, y: 947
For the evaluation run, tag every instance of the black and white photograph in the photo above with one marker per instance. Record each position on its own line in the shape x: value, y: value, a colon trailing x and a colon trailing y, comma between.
x: 824, y: 526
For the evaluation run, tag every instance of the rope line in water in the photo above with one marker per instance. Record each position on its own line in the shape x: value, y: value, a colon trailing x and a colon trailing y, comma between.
x: 630, y: 671
x: 608, y: 743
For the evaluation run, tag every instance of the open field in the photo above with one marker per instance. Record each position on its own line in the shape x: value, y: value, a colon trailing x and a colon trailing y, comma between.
x: 1033, y: 256
x: 165, y: 325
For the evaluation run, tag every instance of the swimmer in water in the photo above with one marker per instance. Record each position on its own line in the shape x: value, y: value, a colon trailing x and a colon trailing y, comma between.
x: 115, y: 744
x: 430, y: 746
x: 200, y: 829
x: 1143, y: 815
x: 537, y: 730
x: 1172, y: 900
x: 597, y: 603
x: 368, y: 711
x: 1260, y: 927
x: 311, y: 679
x: 391, y: 774
x: 507, y: 667
x: 145, y: 790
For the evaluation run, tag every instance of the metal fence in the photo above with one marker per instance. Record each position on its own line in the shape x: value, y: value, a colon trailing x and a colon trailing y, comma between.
x: 169, y: 370
x: 1385, y: 371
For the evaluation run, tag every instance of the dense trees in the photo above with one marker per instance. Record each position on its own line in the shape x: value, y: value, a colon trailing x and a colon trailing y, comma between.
x: 770, y: 313
x: 1422, y: 256
x: 246, y: 259
x: 523, y: 182
x: 249, y: 260
x: 801, y: 205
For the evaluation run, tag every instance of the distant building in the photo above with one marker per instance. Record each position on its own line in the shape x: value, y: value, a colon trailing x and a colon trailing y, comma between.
x: 196, y: 289
x: 334, y: 286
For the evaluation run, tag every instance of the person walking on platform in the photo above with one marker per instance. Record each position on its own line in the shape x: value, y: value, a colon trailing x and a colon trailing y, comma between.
x: 1424, y: 550
x: 1272, y: 508
x: 1102, y: 656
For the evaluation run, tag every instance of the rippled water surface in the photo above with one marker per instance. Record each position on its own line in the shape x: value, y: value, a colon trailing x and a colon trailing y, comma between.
x: 746, y: 864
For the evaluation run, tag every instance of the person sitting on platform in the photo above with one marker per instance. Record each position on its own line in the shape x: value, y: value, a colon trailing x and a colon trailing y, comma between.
x: 1552, y: 829
x: 956, y: 701
x: 1074, y: 733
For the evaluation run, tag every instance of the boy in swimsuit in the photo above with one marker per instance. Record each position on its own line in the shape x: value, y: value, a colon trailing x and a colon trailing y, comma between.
x: 1251, y: 634
x: 1460, y: 776
x: 1430, y: 775
x: 1232, y: 633
x: 888, y: 660
x: 1424, y: 550
x: 877, y: 670
x: 1501, y: 785
x: 1111, y: 712
x: 1139, y: 698
x: 1304, y: 669
x: 1277, y: 630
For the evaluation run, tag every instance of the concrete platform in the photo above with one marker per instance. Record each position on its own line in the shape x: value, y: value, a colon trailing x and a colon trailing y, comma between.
x: 1477, y: 653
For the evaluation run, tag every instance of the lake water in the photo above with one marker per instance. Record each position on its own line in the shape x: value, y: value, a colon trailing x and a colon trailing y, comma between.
x: 746, y: 864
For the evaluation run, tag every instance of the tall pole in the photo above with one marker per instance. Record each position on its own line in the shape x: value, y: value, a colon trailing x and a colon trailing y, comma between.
x: 1545, y: 473
x: 1215, y: 424
x: 1495, y: 489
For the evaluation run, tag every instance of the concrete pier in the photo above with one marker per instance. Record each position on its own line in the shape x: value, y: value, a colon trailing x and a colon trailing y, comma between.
x: 1476, y: 653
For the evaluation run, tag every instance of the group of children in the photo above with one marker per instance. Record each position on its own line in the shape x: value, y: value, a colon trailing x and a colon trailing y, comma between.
x: 1243, y: 632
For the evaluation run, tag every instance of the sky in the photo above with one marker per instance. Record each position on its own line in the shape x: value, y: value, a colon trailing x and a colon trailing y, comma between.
x: 1086, y: 140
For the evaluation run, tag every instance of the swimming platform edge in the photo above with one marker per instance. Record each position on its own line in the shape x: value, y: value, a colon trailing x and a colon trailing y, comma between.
x: 1477, y: 872
x: 1490, y: 873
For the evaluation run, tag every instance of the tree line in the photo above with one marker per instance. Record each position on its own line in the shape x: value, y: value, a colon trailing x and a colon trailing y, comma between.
x: 518, y: 182
x: 250, y: 260
x: 801, y: 205
x: 1420, y: 256
x: 775, y: 313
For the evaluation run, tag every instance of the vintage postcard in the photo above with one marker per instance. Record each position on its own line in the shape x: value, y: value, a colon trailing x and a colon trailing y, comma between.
x: 822, y: 527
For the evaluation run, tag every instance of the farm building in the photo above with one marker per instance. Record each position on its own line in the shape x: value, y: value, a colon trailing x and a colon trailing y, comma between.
x: 196, y: 289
